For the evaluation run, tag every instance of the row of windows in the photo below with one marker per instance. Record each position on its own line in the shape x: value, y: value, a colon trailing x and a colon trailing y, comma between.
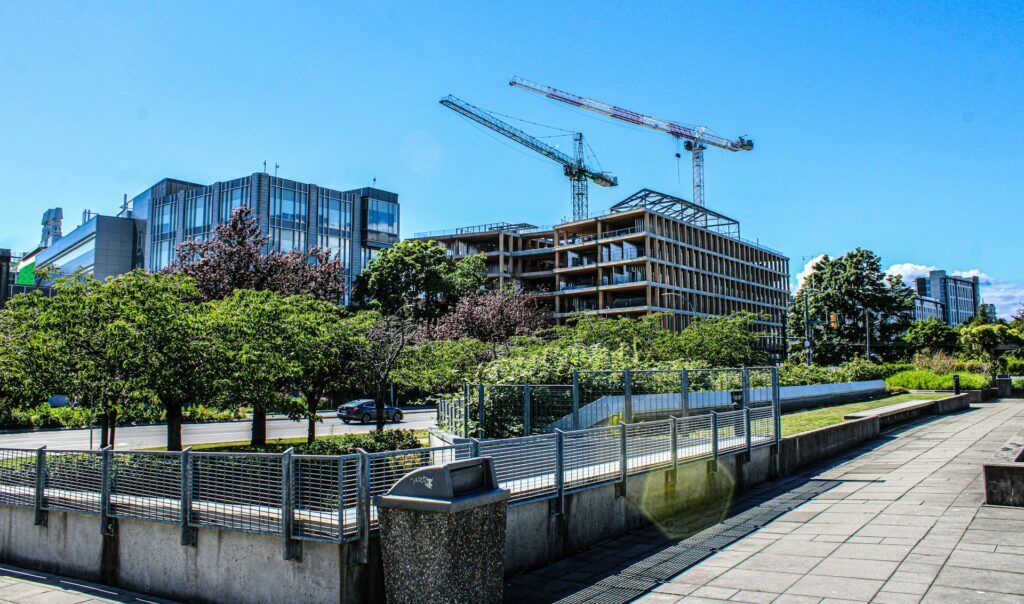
x: 381, y: 217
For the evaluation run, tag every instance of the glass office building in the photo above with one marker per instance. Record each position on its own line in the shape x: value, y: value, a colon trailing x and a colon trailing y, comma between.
x: 354, y: 225
x: 960, y: 296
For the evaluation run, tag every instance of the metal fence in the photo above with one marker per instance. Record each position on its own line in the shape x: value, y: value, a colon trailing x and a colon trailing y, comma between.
x: 330, y: 498
x: 601, y: 398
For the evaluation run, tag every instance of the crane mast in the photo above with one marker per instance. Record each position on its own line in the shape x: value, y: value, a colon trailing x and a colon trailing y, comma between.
x: 574, y: 168
x: 696, y: 138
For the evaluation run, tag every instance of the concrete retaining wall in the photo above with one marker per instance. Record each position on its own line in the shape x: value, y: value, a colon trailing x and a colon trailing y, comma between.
x: 224, y: 566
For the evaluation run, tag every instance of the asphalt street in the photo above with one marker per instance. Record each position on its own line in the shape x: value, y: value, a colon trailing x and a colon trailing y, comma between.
x: 147, y: 437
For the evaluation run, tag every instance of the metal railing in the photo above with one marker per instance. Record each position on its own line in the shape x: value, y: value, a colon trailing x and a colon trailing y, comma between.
x: 596, y: 398
x: 330, y: 497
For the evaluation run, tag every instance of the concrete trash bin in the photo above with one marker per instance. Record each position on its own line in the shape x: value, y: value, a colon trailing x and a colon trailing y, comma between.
x: 442, y: 534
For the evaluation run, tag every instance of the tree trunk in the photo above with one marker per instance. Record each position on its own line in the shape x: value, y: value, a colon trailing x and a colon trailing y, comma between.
x: 113, y: 427
x: 259, y: 426
x: 380, y: 409
x: 104, y: 425
x: 312, y: 402
x: 174, y: 427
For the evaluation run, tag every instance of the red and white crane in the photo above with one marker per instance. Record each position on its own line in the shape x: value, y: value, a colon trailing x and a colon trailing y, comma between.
x: 695, y: 137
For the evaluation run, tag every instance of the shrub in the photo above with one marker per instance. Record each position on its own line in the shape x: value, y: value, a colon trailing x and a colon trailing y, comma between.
x: 926, y: 380
x: 372, y: 442
x: 1015, y: 366
x: 889, y: 369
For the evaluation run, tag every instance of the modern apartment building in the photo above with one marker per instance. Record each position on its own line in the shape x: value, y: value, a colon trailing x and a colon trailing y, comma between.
x: 651, y: 252
x: 960, y: 296
x: 354, y: 224
x: 927, y: 308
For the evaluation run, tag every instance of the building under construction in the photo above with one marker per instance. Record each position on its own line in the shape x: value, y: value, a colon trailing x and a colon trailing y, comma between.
x: 650, y: 253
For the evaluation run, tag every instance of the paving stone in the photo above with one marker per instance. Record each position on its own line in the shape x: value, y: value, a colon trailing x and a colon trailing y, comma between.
x: 718, y: 593
x: 783, y: 563
x: 860, y: 551
x: 905, y: 587
x: 810, y: 548
x: 678, y: 589
x: 981, y: 579
x: 739, y: 578
x: 754, y: 597
x: 861, y: 590
x: 796, y: 599
x: 940, y: 594
x: 990, y: 561
x: 855, y: 569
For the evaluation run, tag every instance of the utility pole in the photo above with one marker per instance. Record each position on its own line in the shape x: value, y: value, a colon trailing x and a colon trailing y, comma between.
x: 807, y: 331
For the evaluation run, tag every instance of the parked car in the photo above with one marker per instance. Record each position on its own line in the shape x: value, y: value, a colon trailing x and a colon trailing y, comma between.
x: 365, y: 411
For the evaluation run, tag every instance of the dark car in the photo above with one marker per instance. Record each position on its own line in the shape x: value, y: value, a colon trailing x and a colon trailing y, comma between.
x: 365, y: 411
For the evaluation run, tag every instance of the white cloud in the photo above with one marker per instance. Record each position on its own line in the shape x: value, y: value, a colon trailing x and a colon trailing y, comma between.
x: 808, y: 269
x: 909, y: 271
x: 983, y: 278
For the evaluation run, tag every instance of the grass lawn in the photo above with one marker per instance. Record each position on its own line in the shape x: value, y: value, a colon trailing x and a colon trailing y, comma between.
x: 242, y: 446
x: 802, y: 421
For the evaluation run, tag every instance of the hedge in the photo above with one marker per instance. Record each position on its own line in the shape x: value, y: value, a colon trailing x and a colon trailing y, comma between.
x: 926, y: 380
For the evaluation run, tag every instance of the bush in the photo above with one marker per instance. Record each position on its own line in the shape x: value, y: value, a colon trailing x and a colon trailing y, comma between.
x: 889, y: 369
x: 926, y: 380
x: 372, y: 442
x: 794, y: 373
x: 1015, y: 366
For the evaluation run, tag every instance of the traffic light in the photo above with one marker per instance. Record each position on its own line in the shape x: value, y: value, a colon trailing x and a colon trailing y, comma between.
x: 833, y: 320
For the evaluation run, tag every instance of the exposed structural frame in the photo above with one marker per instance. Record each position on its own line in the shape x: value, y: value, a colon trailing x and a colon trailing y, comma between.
x: 680, y: 209
x: 574, y: 168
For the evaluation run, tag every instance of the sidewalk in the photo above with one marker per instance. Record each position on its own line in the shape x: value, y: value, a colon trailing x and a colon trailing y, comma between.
x: 33, y: 587
x: 899, y: 520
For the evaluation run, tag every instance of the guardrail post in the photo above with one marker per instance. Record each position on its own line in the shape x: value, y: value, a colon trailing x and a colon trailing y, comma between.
x: 41, y: 515
x: 674, y: 437
x: 363, y: 509
x: 746, y: 431
x: 188, y: 533
x: 714, y: 441
x: 292, y: 547
x: 480, y: 412
x: 745, y: 387
x: 776, y: 405
x: 575, y: 400
x: 341, y: 498
x: 559, y: 471
x: 526, y: 409
x: 465, y: 413
x: 474, y: 447
x: 106, y: 455
x: 627, y: 395
x: 684, y: 391
x: 623, y: 459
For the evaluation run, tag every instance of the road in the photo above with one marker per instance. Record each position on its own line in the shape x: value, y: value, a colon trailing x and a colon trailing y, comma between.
x: 147, y: 437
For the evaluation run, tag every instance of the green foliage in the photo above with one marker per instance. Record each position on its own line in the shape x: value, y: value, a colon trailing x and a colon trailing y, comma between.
x: 1015, y: 366
x: 442, y: 366
x: 416, y: 276
x: 990, y: 342
x: 345, y: 444
x: 795, y: 373
x: 939, y: 362
x: 933, y: 335
x: 888, y: 369
x: 926, y: 380
x: 723, y: 341
x: 863, y: 299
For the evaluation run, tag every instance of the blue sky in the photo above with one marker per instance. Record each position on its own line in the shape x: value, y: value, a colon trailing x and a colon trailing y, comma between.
x: 891, y: 126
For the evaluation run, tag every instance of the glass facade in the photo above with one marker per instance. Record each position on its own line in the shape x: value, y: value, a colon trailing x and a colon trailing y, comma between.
x: 380, y: 219
x: 288, y: 203
x: 233, y: 195
x: 353, y: 225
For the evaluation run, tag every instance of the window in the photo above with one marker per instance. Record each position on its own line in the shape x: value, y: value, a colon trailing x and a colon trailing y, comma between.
x: 196, y: 214
x: 380, y: 219
x: 233, y: 195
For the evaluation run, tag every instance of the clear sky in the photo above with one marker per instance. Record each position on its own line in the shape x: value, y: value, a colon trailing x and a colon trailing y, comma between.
x: 895, y: 126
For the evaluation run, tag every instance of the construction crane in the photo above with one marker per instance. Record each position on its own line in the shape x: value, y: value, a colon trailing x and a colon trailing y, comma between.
x: 574, y: 167
x: 696, y: 137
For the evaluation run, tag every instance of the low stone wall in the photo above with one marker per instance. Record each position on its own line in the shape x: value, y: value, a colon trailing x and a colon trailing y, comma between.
x: 1004, y: 475
x: 807, y: 448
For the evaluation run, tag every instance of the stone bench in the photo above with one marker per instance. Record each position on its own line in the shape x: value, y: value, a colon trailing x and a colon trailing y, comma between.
x: 1004, y: 474
x: 902, y: 412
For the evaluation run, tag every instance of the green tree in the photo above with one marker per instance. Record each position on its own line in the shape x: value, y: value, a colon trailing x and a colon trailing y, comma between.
x: 254, y: 339
x: 863, y: 301
x: 416, y: 276
x: 325, y: 346
x: 932, y: 335
x: 382, y: 339
x: 990, y: 343
x: 723, y: 341
x: 645, y: 338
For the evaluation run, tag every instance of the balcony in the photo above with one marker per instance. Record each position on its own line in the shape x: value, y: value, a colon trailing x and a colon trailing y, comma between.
x: 569, y: 286
x: 620, y: 232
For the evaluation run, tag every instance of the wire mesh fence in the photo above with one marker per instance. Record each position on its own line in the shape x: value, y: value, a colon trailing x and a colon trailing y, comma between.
x: 145, y: 486
x: 17, y: 477
x: 331, y: 498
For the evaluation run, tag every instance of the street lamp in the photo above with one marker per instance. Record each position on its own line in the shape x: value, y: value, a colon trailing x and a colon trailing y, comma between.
x: 686, y: 299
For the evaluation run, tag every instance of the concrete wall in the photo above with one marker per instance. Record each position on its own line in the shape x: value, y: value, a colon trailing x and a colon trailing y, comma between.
x: 224, y: 566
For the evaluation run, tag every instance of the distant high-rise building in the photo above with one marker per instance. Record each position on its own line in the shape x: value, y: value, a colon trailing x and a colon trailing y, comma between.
x: 960, y: 296
x: 53, y: 220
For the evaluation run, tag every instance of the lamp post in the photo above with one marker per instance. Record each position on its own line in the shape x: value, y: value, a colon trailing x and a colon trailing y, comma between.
x: 689, y: 303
